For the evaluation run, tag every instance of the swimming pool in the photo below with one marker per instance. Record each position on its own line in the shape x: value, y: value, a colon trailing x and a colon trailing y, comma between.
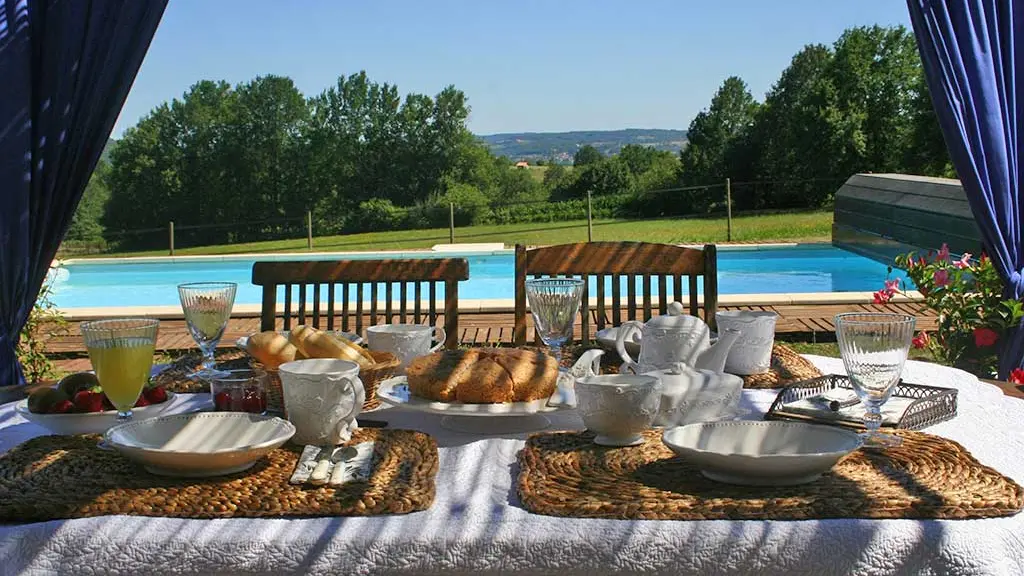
x: 801, y: 268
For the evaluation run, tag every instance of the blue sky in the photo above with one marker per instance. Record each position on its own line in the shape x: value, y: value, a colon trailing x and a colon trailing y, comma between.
x: 528, y: 65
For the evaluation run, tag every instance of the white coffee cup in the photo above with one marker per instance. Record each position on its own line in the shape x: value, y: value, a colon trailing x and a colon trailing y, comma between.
x: 322, y: 397
x: 618, y: 407
x: 752, y: 352
x: 406, y: 341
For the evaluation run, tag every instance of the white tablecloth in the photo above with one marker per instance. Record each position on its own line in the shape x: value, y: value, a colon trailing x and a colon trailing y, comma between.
x: 476, y: 525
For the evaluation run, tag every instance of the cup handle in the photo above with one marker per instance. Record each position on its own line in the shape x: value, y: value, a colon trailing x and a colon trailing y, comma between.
x: 441, y: 337
x: 360, y: 396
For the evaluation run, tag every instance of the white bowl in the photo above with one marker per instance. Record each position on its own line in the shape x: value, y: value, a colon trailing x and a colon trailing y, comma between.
x: 88, y: 422
x: 759, y: 453
x: 202, y: 444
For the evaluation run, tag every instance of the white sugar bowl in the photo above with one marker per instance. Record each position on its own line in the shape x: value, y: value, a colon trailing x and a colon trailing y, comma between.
x: 618, y: 408
x: 689, y: 395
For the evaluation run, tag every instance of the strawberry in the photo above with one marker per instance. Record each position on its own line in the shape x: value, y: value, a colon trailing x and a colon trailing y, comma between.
x: 62, y: 407
x: 142, y: 401
x: 155, y: 395
x: 222, y: 401
x: 86, y: 401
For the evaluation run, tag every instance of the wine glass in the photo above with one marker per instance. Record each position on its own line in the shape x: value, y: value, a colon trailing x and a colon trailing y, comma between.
x: 121, y: 352
x: 874, y: 348
x: 207, y: 307
x: 554, y: 303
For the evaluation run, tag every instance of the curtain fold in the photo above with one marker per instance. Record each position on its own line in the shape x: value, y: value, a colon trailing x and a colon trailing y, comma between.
x: 66, y: 67
x: 973, y: 57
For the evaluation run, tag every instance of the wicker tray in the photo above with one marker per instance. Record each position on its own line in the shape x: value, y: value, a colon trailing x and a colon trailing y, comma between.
x: 176, y: 377
x: 911, y: 406
x: 54, y: 477
x: 566, y: 474
x: 787, y: 367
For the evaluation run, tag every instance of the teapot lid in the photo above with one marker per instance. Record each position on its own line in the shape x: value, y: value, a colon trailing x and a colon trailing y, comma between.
x: 673, y: 321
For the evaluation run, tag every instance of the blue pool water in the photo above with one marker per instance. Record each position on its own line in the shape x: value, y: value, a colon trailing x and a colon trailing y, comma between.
x: 766, y: 270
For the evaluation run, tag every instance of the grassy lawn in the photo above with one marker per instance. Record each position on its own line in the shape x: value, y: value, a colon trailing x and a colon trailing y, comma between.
x: 800, y: 227
x: 832, y: 349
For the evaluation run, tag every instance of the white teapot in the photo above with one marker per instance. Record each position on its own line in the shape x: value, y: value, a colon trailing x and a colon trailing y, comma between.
x: 674, y: 338
x: 689, y: 395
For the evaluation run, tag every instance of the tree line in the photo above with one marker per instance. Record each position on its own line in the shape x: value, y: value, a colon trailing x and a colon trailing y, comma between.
x: 361, y: 156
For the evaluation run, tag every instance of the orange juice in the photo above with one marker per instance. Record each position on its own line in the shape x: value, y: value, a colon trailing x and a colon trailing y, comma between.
x: 122, y: 366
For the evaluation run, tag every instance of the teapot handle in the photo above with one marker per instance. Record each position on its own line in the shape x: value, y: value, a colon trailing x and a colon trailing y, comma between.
x: 440, y: 336
x: 625, y: 330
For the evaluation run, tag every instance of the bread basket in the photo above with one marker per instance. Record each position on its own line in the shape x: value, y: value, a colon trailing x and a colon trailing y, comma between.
x: 386, y: 364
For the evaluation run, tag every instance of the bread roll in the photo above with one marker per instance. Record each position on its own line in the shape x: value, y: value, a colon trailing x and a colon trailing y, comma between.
x: 483, y: 376
x: 270, y: 349
x: 317, y: 344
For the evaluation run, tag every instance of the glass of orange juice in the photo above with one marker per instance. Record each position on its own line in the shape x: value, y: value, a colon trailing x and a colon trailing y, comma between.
x: 121, y: 352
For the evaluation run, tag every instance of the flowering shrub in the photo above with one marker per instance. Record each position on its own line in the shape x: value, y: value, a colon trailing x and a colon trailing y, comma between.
x: 967, y: 296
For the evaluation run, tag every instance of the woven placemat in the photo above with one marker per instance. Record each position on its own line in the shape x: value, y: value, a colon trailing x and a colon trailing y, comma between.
x: 787, y: 367
x: 566, y: 474
x: 55, y: 477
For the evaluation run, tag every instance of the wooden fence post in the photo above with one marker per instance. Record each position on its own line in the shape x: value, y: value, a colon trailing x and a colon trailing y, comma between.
x: 590, y: 219
x: 309, y: 229
x: 451, y: 222
x: 728, y: 209
x: 170, y: 230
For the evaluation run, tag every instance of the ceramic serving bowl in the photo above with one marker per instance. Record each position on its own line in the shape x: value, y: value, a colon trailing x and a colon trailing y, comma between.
x: 88, y: 422
x: 618, y: 407
x: 200, y: 445
x: 758, y: 453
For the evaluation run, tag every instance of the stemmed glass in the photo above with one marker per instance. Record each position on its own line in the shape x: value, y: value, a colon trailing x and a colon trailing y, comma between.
x: 121, y: 351
x: 207, y: 307
x: 554, y: 303
x: 874, y: 348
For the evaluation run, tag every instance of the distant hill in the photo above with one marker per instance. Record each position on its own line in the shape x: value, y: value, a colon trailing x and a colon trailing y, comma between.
x: 533, y: 146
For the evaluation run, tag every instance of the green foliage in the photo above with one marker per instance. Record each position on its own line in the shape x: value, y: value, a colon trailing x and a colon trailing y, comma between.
x: 44, y: 322
x: 973, y: 315
x: 376, y: 214
x: 86, y: 223
x: 586, y: 155
x: 609, y: 176
x: 713, y: 135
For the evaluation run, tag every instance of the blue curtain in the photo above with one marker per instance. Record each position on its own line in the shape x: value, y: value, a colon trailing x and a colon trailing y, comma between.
x: 65, y: 70
x: 974, y: 66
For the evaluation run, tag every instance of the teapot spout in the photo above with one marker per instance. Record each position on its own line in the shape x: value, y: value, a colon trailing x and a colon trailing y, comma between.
x: 714, y: 358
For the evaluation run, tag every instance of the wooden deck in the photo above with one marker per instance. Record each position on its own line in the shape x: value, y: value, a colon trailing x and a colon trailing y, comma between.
x: 811, y: 323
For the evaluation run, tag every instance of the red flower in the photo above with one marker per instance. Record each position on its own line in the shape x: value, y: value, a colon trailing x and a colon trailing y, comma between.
x: 1017, y: 376
x: 964, y: 261
x: 985, y: 337
x: 922, y: 339
x: 944, y: 252
x: 941, y: 278
x: 882, y: 296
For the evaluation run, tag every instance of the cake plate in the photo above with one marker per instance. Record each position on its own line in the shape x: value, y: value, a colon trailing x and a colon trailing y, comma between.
x: 487, y: 419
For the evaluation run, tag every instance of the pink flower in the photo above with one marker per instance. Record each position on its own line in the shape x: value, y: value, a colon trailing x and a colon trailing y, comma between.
x: 941, y: 278
x: 1017, y: 376
x: 964, y: 261
x: 921, y: 340
x: 892, y: 286
x: 985, y: 337
x: 943, y: 252
x: 882, y: 296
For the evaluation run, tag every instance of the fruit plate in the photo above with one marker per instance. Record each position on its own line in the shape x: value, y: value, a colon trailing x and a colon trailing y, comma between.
x: 758, y: 453
x: 199, y: 445
x: 505, y: 418
x: 88, y: 422
x: 351, y: 337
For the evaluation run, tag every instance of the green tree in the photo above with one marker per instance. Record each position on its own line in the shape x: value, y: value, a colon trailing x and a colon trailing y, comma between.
x: 586, y: 156
x: 608, y: 177
x: 710, y: 136
x: 86, y: 223
x: 926, y: 153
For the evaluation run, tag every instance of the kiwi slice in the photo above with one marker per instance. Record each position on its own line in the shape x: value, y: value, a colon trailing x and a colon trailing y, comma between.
x: 43, y: 400
x: 73, y: 383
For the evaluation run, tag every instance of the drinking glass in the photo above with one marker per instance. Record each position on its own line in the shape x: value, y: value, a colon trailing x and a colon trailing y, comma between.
x: 554, y: 303
x: 121, y: 352
x: 207, y: 307
x: 874, y: 348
